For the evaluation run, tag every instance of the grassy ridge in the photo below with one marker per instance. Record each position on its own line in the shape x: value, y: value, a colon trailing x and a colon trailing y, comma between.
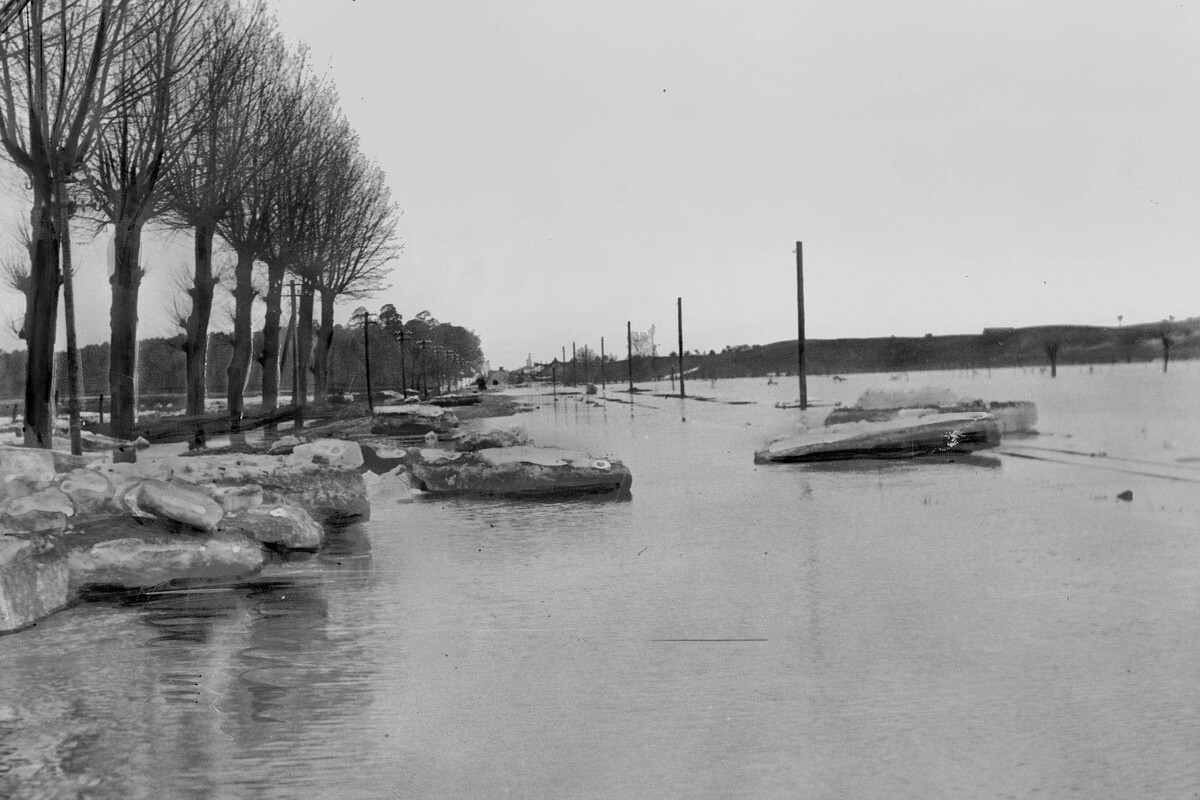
x: 1000, y: 347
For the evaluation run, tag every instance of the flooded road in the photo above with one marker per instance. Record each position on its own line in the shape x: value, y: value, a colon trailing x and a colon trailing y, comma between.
x: 1000, y: 628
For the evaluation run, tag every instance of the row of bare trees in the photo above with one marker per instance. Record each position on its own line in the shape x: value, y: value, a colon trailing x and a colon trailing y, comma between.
x: 197, y: 115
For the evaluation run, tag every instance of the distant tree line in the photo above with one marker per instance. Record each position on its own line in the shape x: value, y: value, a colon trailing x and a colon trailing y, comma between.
x: 1038, y: 347
x: 437, y: 355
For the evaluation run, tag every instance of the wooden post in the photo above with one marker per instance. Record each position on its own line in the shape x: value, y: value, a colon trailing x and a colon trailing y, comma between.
x: 800, y: 338
x: 574, y: 360
x: 424, y: 375
x: 298, y: 420
x: 629, y: 344
x: 74, y: 387
x: 367, y: 357
x: 603, y: 385
x: 403, y: 382
x: 101, y: 409
x: 554, y: 379
x: 679, y: 305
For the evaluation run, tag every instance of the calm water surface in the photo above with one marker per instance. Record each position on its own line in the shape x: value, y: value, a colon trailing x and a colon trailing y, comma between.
x: 1001, y: 628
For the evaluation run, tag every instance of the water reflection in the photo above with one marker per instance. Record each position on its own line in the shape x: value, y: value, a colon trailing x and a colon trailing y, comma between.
x: 922, y: 630
x: 347, y: 546
x: 194, y: 677
x: 286, y: 643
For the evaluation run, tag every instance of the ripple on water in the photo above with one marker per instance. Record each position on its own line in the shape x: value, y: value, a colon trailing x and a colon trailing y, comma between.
x: 736, y: 630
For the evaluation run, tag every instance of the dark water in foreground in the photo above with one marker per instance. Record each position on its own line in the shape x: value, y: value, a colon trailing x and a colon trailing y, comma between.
x: 999, y: 629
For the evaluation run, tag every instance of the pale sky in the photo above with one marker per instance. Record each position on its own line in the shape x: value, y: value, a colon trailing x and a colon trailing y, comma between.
x: 563, y: 167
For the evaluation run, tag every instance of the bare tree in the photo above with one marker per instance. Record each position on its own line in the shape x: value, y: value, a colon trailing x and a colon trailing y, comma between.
x: 147, y: 129
x: 14, y: 275
x: 54, y: 92
x: 209, y: 176
x: 296, y: 241
x: 274, y: 125
x: 1052, y: 348
x: 361, y: 226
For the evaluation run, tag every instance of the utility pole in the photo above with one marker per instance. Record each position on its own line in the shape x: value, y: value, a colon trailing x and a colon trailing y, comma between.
x: 367, y: 357
x: 679, y: 305
x: 603, y: 384
x: 629, y: 346
x: 298, y: 422
x: 400, y: 334
x: 800, y: 338
x: 424, y: 376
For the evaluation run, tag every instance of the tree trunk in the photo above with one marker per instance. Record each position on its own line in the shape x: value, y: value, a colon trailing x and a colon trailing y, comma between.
x: 321, y: 356
x: 270, y: 352
x: 304, y: 338
x: 1052, y: 352
x: 126, y: 280
x: 41, y: 326
x: 243, y: 337
x: 196, y: 345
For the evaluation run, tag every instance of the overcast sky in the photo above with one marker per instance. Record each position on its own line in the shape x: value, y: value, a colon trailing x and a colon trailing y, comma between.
x: 563, y: 167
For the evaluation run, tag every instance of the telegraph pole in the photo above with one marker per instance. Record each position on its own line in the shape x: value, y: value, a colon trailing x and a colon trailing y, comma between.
x: 400, y: 338
x: 424, y: 375
x: 800, y: 338
x: 629, y: 346
x: 367, y: 357
x: 298, y: 422
x: 679, y: 305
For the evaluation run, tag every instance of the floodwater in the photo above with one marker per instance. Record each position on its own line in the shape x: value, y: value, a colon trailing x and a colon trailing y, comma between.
x: 995, y: 627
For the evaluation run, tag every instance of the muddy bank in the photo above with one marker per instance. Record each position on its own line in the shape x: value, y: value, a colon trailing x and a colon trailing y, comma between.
x: 334, y: 422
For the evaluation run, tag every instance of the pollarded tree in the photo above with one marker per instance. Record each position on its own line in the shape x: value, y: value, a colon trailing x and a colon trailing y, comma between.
x: 146, y: 131
x: 55, y: 93
x: 273, y: 124
x: 361, y: 227
x: 296, y: 243
x: 209, y: 175
x: 14, y: 275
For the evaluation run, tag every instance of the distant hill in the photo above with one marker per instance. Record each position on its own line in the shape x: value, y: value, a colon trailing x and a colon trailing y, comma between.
x: 994, y: 347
